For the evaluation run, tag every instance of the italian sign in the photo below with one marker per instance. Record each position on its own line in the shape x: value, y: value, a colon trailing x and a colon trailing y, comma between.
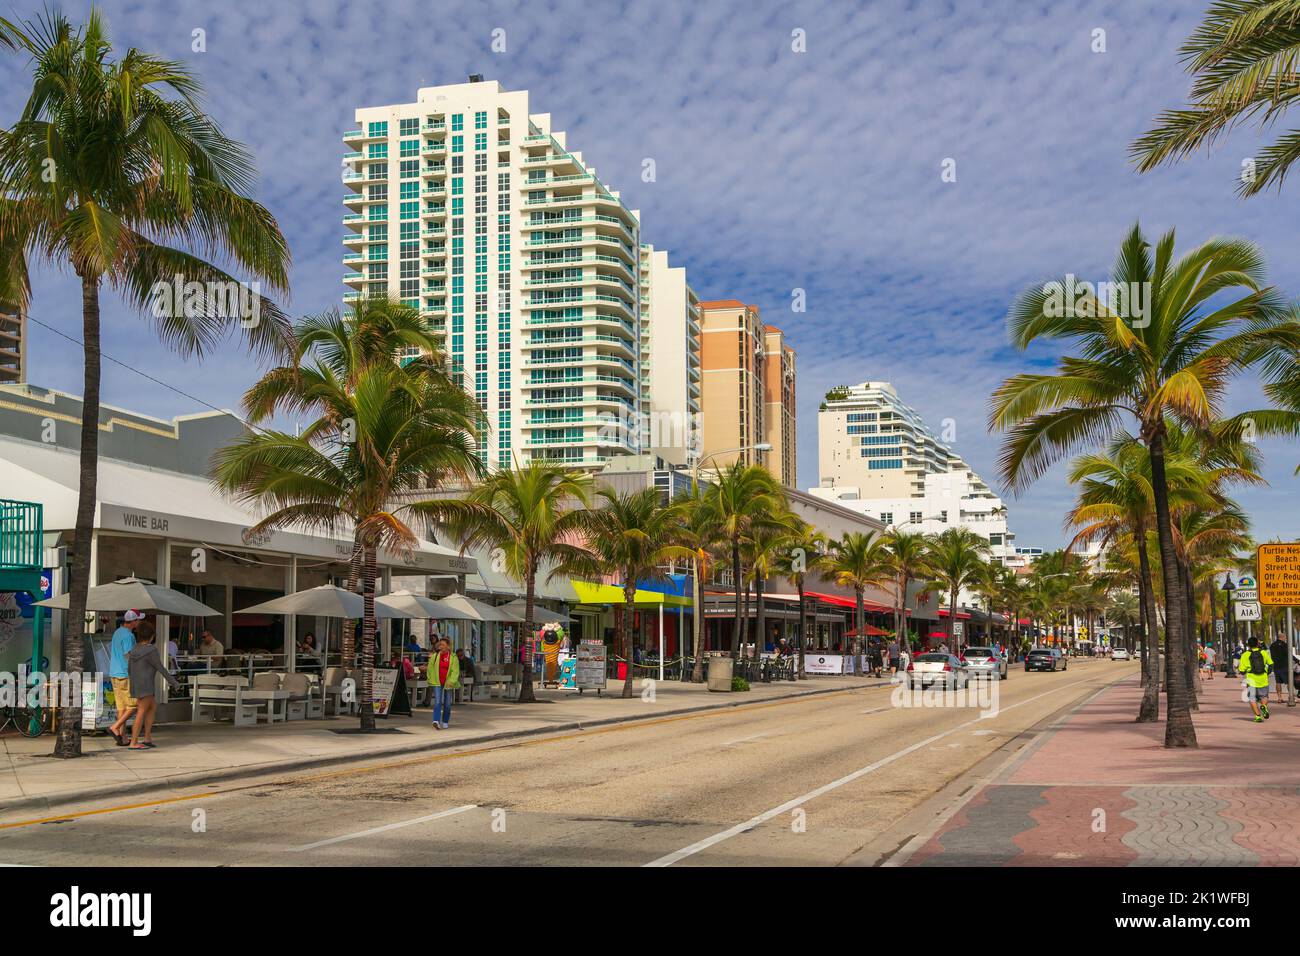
x: 1279, y: 574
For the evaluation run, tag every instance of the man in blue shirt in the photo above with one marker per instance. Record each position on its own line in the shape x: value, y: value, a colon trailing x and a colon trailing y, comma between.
x: 122, y: 642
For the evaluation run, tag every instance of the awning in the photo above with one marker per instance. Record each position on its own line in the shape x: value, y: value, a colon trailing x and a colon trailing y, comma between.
x: 839, y: 601
x: 870, y: 630
x: 589, y: 593
x: 961, y: 615
x: 164, y: 504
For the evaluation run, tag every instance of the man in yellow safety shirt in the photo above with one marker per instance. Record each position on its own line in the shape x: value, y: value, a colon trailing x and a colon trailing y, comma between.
x: 1254, y: 666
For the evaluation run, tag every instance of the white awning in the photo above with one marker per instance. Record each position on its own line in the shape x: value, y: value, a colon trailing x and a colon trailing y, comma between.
x: 135, y: 500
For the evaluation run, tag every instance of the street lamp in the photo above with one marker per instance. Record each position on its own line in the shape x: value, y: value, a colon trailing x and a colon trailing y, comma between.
x: 1229, y: 619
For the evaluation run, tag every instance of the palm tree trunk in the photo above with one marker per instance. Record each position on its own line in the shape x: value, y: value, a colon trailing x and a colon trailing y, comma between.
x: 1192, y: 666
x: 736, y: 585
x: 368, y: 575
x: 526, y: 695
x: 348, y: 644
x: 803, y: 624
x: 1179, y: 730
x: 952, y: 622
x: 760, y: 618
x: 629, y: 609
x: 1149, y: 709
x: 697, y: 623
x: 67, y: 743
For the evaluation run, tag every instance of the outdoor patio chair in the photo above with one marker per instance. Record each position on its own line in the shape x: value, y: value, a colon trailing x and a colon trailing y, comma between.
x: 303, y: 700
x: 266, y: 680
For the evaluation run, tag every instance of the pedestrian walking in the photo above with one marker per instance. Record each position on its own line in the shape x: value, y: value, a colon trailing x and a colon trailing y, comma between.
x: 1255, y: 666
x: 145, y: 666
x: 444, y: 678
x: 1210, y: 655
x: 1281, y: 666
x: 893, y: 657
x: 120, y: 648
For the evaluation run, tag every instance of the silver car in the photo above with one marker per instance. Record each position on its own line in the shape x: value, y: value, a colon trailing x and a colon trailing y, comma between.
x: 984, y: 662
x: 926, y: 670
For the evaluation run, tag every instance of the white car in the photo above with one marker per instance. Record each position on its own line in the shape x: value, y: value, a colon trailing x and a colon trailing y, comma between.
x: 926, y: 670
x: 1119, y: 654
x: 984, y: 662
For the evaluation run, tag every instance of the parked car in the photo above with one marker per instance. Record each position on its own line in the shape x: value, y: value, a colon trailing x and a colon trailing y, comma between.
x: 928, y: 669
x: 984, y: 662
x: 1119, y: 654
x: 1045, y: 659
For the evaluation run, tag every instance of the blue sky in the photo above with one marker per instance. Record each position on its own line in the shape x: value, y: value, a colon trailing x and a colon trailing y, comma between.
x: 776, y: 170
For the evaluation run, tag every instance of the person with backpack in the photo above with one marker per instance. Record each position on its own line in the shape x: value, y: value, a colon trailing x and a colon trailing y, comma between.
x: 1254, y: 667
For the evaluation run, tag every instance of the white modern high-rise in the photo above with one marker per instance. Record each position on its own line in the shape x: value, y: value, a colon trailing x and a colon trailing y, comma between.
x: 877, y: 455
x: 471, y: 207
x: 669, y: 359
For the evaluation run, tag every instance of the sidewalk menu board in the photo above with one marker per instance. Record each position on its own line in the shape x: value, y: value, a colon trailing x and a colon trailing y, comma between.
x: 589, y: 667
x: 381, y: 689
x: 823, y: 664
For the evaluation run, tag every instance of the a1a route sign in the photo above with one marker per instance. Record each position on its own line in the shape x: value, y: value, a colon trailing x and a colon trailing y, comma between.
x: 1279, y: 574
x: 1247, y: 611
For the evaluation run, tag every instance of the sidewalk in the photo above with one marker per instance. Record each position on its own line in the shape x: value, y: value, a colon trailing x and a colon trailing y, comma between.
x: 1098, y: 789
x: 189, y: 754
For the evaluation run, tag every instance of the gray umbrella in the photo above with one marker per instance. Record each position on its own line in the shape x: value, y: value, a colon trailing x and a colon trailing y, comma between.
x: 328, y: 600
x: 414, y: 605
x: 135, y: 594
x: 458, y: 607
x: 541, y: 615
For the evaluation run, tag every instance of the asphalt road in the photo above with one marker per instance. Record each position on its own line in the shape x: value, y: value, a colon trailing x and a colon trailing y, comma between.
x: 809, y: 781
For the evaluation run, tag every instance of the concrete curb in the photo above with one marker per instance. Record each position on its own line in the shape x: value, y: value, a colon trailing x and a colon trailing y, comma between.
x: 198, y: 777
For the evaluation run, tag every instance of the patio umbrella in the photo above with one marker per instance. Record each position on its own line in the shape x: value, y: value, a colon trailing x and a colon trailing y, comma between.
x: 458, y: 607
x: 328, y: 600
x: 415, y: 605
x: 136, y: 594
x: 541, y: 615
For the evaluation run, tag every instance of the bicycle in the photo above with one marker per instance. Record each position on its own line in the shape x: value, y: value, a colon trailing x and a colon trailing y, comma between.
x: 30, y: 722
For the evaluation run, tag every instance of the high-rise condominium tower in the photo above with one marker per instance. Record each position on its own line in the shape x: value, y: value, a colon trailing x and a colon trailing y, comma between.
x: 469, y: 206
x: 13, y: 345
x: 670, y: 360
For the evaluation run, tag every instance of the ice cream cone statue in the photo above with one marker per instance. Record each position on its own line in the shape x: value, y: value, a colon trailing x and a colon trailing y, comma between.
x: 552, y: 636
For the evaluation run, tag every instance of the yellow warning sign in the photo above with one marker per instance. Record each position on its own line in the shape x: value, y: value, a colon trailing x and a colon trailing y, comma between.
x: 1279, y: 574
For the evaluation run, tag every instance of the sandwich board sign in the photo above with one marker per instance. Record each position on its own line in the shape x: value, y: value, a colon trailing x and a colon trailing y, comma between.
x: 1279, y: 574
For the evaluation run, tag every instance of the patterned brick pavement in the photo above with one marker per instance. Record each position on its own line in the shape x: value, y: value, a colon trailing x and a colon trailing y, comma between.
x: 1101, y: 790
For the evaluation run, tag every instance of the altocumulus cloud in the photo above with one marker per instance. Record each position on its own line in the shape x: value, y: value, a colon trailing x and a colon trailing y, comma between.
x: 775, y: 170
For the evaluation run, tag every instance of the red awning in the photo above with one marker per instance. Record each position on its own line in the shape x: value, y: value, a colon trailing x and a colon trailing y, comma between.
x: 961, y: 615
x: 840, y: 601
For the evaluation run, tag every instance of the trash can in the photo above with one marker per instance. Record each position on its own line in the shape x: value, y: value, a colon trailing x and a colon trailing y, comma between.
x: 720, y: 671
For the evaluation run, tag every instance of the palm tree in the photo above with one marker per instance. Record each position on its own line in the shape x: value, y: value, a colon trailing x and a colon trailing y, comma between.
x: 907, y: 552
x: 699, y: 531
x: 632, y: 535
x: 805, y: 554
x: 954, y: 559
x: 110, y: 162
x: 1169, y: 359
x: 327, y: 354
x: 409, y: 428
x: 1242, y: 59
x: 764, y: 551
x: 859, y: 561
x: 742, y: 498
x: 532, y: 516
x: 1122, y: 608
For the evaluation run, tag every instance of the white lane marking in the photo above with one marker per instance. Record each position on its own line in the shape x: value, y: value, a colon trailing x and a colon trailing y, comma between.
x: 385, y: 828
x: 743, y: 739
x: 701, y: 845
x: 876, y: 710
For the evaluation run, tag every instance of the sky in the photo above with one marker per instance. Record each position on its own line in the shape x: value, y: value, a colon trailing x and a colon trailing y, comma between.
x: 796, y: 146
